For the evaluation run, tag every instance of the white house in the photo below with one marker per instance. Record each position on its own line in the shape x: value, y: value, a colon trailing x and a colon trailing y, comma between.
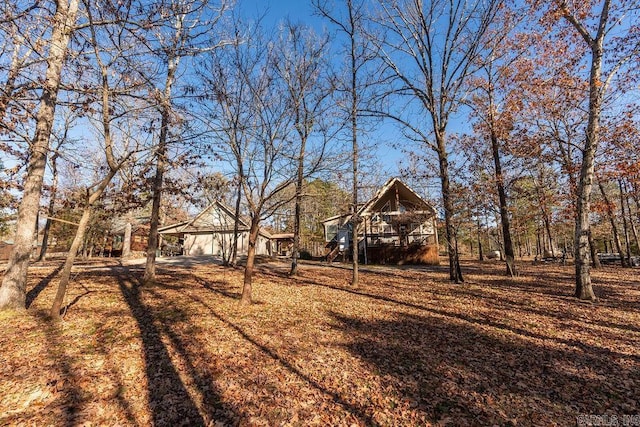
x: 211, y: 233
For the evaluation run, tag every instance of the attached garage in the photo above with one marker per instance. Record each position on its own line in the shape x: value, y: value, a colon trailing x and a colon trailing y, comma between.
x: 211, y: 233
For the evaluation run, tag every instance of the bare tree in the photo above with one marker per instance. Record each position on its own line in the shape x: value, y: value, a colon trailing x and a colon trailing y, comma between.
x: 246, y: 108
x: 186, y: 32
x: 430, y: 50
x: 21, y: 62
x: 60, y: 140
x: 111, y: 67
x: 301, y: 63
x: 268, y: 167
x: 13, y: 290
x: 349, y: 19
x: 227, y: 112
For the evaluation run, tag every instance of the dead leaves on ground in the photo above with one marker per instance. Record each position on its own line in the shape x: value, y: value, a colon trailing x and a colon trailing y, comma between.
x: 406, y: 347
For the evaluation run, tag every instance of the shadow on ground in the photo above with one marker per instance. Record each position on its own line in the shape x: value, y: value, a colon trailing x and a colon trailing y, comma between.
x: 464, y: 374
x: 170, y: 401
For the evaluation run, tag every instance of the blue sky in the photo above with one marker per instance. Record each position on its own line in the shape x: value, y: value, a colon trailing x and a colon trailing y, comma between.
x: 279, y: 9
x: 302, y: 11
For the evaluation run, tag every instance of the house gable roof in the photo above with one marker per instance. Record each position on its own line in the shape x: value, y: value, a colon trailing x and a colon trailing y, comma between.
x: 408, y: 198
x: 394, y: 187
x: 172, y: 228
x: 215, y: 217
x: 336, y: 217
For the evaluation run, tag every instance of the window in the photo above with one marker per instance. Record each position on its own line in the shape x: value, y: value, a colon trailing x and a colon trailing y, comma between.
x: 331, y: 231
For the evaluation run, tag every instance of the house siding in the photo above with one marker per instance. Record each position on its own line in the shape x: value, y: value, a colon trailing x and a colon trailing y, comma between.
x: 220, y: 243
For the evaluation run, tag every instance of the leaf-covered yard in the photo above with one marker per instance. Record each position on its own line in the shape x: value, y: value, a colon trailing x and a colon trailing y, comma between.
x: 405, y: 348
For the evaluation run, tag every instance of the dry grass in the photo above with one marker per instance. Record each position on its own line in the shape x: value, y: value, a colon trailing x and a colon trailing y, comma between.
x: 404, y: 348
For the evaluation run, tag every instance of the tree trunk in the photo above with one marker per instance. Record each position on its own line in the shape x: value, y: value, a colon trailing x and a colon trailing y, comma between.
x: 172, y: 63
x: 45, y: 235
x: 355, y: 221
x: 68, y: 264
x: 7, y: 92
x: 612, y: 222
x: 246, y: 298
x: 504, y: 212
x: 633, y: 225
x: 480, y: 254
x: 158, y: 181
x: 50, y: 209
x: 584, y: 289
x: 298, y: 210
x: 547, y: 227
x: 595, y: 260
x: 634, y: 230
x: 625, y: 226
x: 154, y: 221
x: 547, y: 224
x: 295, y: 252
x: 13, y: 290
x: 236, y: 222
x: 126, y: 242
x: 455, y: 272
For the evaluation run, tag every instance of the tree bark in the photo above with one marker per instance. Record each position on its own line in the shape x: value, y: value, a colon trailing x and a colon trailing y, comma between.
x: 246, y: 298
x: 154, y: 221
x: 584, y: 289
x: 634, y: 230
x: 13, y: 289
x: 504, y: 211
x: 547, y: 227
x: 55, y: 311
x: 7, y: 92
x: 480, y: 254
x: 625, y: 225
x: 233, y: 257
x: 126, y: 242
x: 355, y: 221
x: 83, y: 225
x: 298, y: 212
x: 547, y: 224
x: 455, y: 271
x: 612, y: 221
x: 161, y: 164
x: 595, y: 260
x: 50, y: 210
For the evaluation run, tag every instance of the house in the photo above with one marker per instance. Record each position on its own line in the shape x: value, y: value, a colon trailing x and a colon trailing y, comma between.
x: 396, y: 226
x: 211, y: 233
x: 5, y: 249
x: 131, y: 237
x: 283, y: 244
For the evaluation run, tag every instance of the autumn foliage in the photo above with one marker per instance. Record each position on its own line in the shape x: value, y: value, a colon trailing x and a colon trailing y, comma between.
x: 405, y: 348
